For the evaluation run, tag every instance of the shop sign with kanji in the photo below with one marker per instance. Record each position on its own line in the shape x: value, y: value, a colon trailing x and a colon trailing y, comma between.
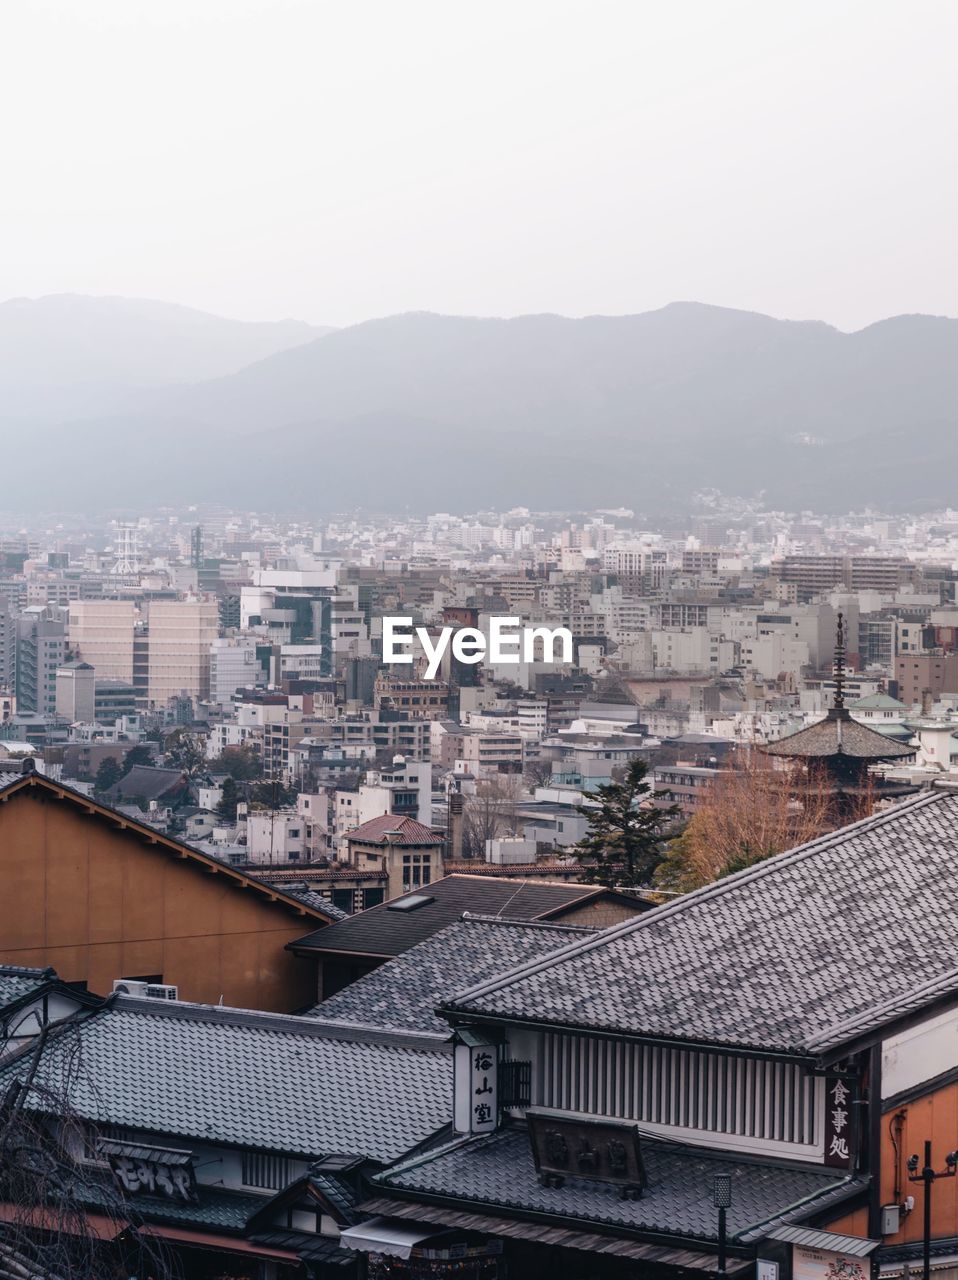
x: 603, y: 1150
x: 838, y: 1122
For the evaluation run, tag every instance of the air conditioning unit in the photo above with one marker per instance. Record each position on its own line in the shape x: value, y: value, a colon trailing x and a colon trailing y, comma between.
x: 145, y: 990
x: 155, y: 991
x: 131, y: 987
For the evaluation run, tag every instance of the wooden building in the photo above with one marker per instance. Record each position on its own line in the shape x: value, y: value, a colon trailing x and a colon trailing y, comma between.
x: 99, y: 896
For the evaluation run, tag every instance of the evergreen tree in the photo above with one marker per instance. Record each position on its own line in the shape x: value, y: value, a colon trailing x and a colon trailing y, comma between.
x: 229, y: 799
x: 107, y: 776
x: 137, y: 755
x: 626, y: 831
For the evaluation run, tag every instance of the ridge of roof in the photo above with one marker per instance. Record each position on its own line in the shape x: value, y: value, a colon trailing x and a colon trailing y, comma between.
x: 718, y: 888
x: 277, y: 1023
x: 476, y: 917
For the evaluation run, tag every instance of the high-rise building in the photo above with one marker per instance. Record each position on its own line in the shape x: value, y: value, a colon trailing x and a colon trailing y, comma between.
x: 8, y: 646
x: 101, y: 633
x: 181, y: 634
x: 41, y: 648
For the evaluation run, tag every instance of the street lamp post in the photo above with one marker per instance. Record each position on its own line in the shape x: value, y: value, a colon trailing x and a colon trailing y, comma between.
x: 722, y: 1200
x: 929, y: 1175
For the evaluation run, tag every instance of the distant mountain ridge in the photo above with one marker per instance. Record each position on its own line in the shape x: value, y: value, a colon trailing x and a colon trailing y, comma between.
x: 445, y: 412
x: 67, y: 355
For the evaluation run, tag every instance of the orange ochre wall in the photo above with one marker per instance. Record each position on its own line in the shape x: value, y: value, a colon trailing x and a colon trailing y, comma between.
x: 934, y: 1116
x: 98, y: 902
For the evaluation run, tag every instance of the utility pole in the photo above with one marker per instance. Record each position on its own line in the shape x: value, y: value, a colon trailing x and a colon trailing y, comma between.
x: 929, y: 1175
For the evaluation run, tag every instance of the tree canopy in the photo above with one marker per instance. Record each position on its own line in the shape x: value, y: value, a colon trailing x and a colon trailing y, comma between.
x: 626, y: 831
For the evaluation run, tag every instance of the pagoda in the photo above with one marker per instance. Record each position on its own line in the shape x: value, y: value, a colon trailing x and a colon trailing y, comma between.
x: 838, y: 746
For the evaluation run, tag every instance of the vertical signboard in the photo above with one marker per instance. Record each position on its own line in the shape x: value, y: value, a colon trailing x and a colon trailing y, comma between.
x: 838, y: 1117
x: 476, y: 1088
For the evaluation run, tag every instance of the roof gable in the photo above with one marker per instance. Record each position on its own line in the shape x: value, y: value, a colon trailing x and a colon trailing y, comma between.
x: 23, y: 784
x: 402, y: 994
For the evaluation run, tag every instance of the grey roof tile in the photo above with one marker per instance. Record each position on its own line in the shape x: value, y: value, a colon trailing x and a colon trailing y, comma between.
x: 770, y: 958
x: 272, y: 1082
x: 498, y: 1169
x: 17, y: 982
x: 402, y: 994
x: 838, y: 735
x: 213, y: 1207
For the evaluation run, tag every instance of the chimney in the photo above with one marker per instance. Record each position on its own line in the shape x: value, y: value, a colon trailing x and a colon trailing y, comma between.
x: 926, y: 702
x: 454, y: 837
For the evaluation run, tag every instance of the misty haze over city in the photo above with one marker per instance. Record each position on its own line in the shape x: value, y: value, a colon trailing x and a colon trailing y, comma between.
x: 478, y: 640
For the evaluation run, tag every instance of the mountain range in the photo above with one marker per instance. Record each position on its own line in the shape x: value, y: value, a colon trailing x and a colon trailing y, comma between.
x: 143, y: 403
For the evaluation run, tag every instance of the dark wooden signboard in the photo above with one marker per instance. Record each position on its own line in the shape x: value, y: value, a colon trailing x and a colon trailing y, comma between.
x: 565, y: 1146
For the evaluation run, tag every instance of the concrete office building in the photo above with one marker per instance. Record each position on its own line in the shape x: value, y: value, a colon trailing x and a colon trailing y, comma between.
x: 75, y: 692
x: 101, y: 632
x: 233, y: 665
x: 181, y: 634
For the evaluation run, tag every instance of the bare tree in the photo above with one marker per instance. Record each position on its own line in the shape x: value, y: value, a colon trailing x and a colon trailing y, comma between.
x: 749, y: 813
x: 47, y: 1232
x: 491, y: 813
x: 538, y: 773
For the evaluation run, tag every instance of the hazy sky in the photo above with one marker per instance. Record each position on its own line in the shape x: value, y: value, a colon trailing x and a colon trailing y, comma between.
x: 336, y: 161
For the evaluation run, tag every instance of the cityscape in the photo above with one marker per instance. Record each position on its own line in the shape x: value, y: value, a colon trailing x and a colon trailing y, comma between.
x: 478, y: 641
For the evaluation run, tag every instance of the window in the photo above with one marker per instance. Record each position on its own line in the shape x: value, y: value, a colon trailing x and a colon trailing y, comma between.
x: 515, y: 1084
x: 270, y: 1172
x: 416, y: 870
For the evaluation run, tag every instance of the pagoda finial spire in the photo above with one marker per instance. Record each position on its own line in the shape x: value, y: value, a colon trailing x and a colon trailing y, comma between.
x: 840, y: 663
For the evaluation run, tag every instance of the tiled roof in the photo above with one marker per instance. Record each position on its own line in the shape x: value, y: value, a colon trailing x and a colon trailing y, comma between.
x: 213, y: 1207
x: 386, y: 931
x: 402, y: 994
x: 877, y: 701
x: 312, y: 1248
x: 266, y: 1081
x: 17, y: 982
x: 498, y: 1170
x: 387, y: 828
x: 312, y: 897
x: 838, y: 735
x: 146, y: 782
x: 797, y: 954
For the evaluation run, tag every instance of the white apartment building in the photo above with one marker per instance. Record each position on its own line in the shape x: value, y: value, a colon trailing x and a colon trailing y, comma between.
x: 275, y: 836
x: 233, y: 666
x: 772, y: 654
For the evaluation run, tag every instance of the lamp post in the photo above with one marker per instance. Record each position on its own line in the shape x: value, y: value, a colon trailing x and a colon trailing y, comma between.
x: 722, y: 1200
x: 929, y: 1176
